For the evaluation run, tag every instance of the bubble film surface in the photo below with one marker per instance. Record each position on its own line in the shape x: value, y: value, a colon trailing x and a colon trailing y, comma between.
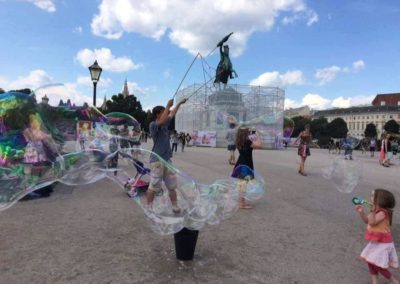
x: 344, y: 174
x: 40, y: 145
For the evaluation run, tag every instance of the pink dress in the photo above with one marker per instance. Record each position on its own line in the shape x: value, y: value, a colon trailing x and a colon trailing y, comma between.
x: 380, y: 250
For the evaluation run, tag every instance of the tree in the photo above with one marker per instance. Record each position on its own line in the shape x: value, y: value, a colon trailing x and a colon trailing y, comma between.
x: 318, y: 127
x: 24, y: 91
x: 337, y: 128
x: 129, y: 105
x: 299, y: 123
x: 148, y: 119
x: 370, y: 131
x: 391, y: 126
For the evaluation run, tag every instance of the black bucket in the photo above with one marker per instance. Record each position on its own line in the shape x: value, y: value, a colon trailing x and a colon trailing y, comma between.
x: 185, y: 244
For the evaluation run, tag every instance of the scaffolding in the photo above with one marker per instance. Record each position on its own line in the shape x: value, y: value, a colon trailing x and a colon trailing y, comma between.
x: 253, y: 106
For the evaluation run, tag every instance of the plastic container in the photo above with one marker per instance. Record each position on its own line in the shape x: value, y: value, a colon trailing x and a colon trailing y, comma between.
x: 185, y: 244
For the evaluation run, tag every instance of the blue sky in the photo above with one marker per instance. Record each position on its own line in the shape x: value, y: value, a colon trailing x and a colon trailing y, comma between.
x: 323, y: 53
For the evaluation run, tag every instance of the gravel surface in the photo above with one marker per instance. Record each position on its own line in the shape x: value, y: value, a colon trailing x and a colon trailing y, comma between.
x: 302, y: 231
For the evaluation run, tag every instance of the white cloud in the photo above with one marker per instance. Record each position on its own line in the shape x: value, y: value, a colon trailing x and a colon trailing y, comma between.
x: 341, y: 102
x: 64, y: 92
x: 317, y: 102
x: 87, y: 81
x: 275, y: 79
x: 326, y: 75
x: 33, y: 80
x: 195, y: 25
x: 289, y: 103
x: 47, y: 5
x: 309, y: 15
x: 43, y: 84
x: 77, y: 30
x: 167, y: 74
x: 358, y: 65
x: 140, y: 92
x: 106, y: 60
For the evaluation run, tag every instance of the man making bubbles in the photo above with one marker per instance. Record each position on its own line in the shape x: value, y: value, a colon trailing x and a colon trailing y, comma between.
x: 159, y: 172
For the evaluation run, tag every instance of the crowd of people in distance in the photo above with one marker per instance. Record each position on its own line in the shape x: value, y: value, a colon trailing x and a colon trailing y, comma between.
x: 388, y: 147
x: 181, y: 139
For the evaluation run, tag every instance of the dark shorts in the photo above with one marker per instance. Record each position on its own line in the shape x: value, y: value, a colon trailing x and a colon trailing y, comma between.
x: 231, y: 147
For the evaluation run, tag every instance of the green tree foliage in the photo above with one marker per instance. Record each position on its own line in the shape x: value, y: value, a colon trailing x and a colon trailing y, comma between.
x: 337, y: 128
x: 391, y: 126
x: 148, y: 119
x: 318, y: 127
x: 129, y: 105
x: 370, y: 130
x: 24, y: 91
x: 299, y: 123
x: 287, y: 122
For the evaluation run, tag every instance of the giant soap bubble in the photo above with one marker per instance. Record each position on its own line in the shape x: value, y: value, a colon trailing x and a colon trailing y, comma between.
x: 344, y: 174
x: 288, y: 127
x: 251, y: 184
x: 40, y: 145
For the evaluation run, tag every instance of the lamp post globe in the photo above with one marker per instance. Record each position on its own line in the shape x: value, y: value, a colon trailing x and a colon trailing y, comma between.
x: 95, y: 72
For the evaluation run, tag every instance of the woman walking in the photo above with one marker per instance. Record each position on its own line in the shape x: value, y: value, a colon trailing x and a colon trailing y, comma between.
x: 304, y: 147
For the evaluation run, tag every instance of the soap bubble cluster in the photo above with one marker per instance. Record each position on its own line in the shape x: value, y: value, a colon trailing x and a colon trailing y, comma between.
x: 40, y: 145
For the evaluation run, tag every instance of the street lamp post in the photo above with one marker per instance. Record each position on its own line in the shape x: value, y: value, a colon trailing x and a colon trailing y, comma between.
x: 95, y: 72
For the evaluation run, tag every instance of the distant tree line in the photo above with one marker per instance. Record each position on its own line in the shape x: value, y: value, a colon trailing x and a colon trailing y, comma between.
x: 323, y: 131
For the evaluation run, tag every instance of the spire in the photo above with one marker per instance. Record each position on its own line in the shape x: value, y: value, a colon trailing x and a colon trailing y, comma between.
x: 45, y: 100
x: 104, y: 105
x: 125, y: 92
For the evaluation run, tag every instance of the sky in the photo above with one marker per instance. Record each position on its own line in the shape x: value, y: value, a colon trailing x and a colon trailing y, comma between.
x: 324, y: 54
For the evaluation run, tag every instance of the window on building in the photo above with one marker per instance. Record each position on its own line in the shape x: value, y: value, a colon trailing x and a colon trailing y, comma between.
x: 377, y: 116
x: 391, y: 116
x: 398, y: 103
x: 358, y: 125
x: 367, y: 117
x: 383, y: 103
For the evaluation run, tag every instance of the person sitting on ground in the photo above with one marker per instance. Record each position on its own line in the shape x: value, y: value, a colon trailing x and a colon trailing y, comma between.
x: 159, y: 172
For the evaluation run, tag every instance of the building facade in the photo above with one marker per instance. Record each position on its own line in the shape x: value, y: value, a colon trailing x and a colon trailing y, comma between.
x: 357, y: 118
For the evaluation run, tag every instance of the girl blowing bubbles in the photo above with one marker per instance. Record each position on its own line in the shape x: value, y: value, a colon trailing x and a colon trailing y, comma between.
x: 380, y: 252
x: 246, y: 143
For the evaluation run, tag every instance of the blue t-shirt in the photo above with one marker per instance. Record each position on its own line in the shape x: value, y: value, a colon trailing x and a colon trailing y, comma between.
x: 161, y: 141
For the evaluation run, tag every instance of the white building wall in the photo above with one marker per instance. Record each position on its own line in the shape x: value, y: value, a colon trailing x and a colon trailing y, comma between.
x: 357, y: 122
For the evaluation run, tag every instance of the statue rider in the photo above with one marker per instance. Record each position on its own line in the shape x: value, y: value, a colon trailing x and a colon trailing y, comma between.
x: 224, y: 69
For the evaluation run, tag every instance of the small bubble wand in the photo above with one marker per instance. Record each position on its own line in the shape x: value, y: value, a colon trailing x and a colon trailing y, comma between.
x: 361, y: 201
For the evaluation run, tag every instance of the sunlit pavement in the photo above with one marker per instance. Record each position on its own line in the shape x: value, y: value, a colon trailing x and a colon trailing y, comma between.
x: 302, y: 231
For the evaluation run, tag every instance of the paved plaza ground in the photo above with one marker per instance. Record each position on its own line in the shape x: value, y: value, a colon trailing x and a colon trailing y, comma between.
x: 302, y: 231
